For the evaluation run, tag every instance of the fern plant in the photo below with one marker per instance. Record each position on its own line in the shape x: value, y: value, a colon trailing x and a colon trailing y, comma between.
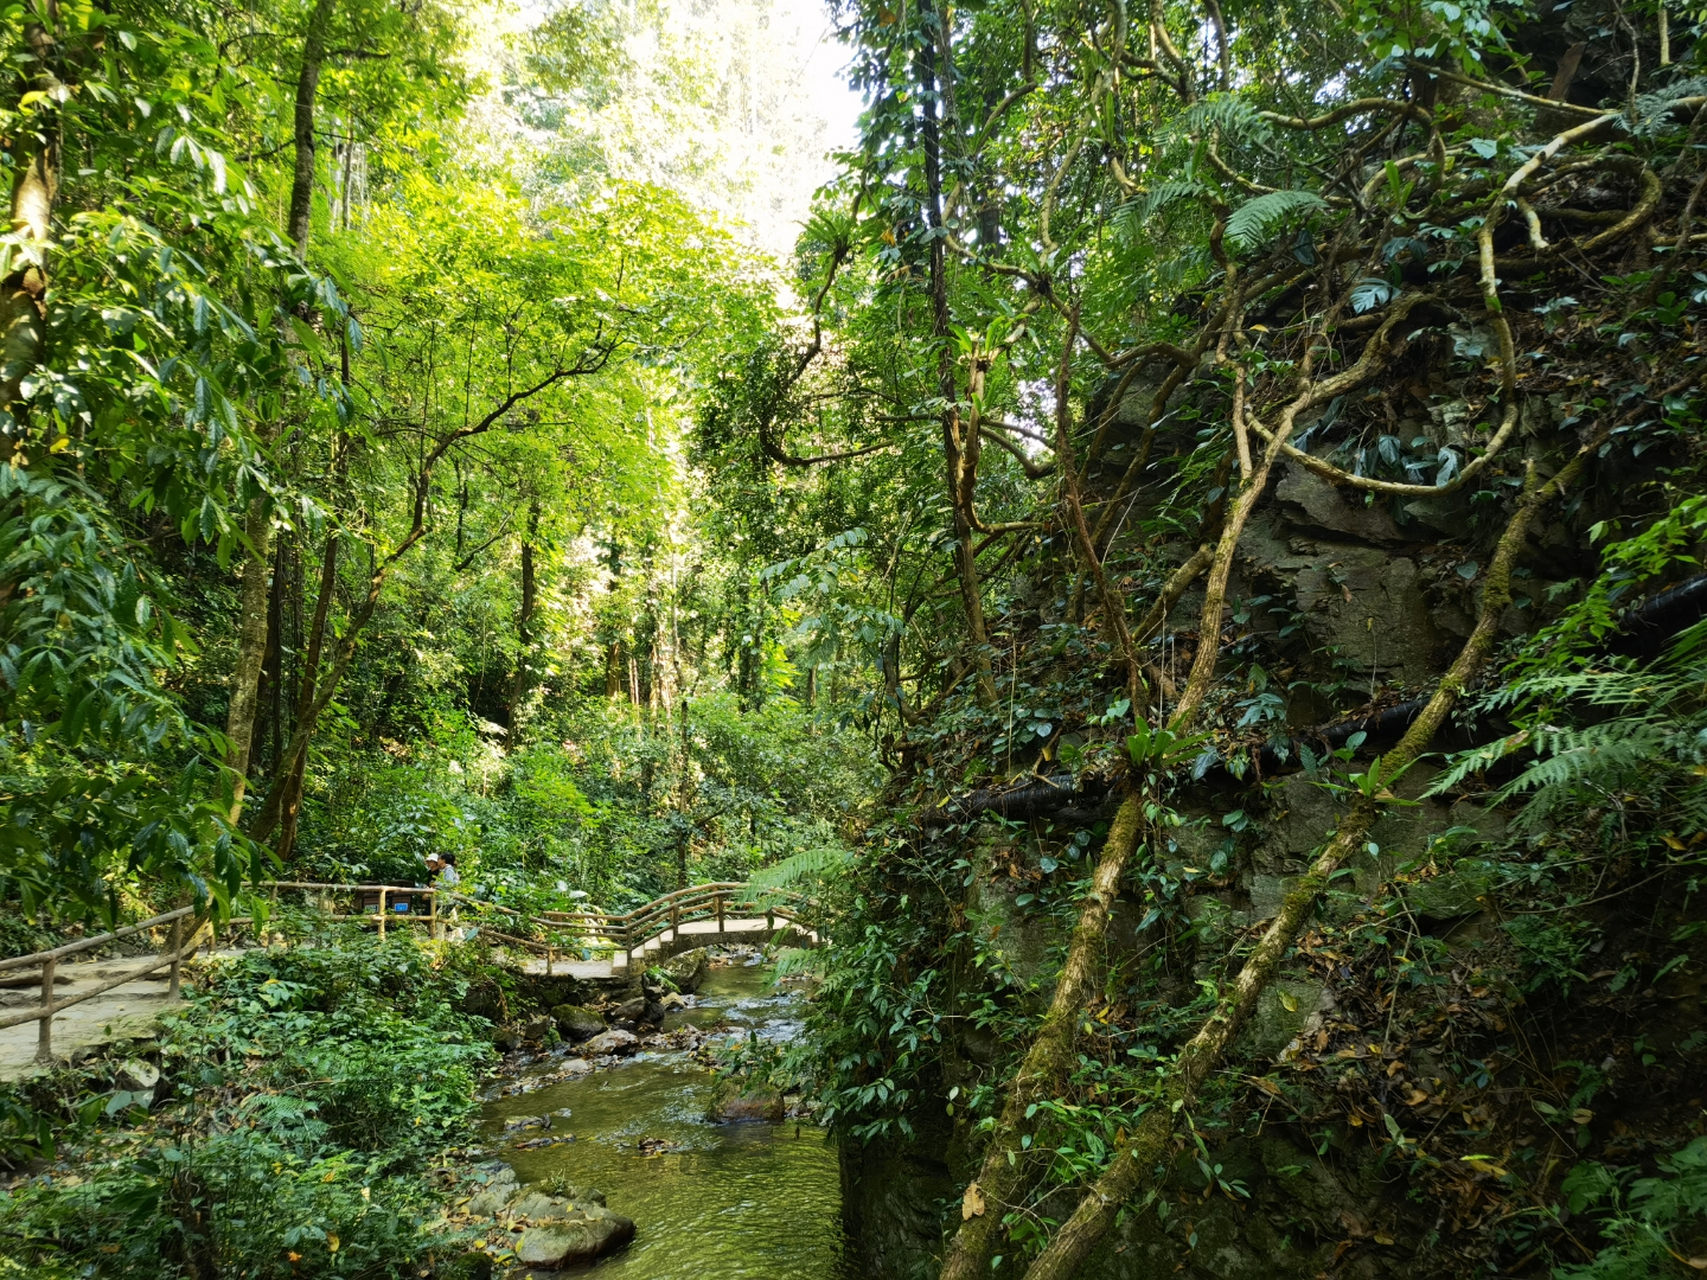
x: 1603, y: 732
x: 1255, y: 222
x: 1648, y: 1222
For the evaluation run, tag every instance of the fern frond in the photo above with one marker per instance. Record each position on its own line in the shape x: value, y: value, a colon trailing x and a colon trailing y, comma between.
x: 1130, y: 218
x: 823, y: 862
x: 1256, y: 220
x: 793, y: 961
x: 1232, y: 116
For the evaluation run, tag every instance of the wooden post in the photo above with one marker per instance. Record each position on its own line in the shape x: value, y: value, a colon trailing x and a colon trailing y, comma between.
x: 550, y: 955
x: 720, y: 911
x: 675, y: 922
x: 177, y: 945
x: 770, y: 921
x: 382, y: 915
x: 433, y: 914
x: 44, y: 1037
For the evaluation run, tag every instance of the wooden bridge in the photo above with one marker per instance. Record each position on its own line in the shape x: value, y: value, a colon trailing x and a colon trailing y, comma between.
x: 74, y: 1002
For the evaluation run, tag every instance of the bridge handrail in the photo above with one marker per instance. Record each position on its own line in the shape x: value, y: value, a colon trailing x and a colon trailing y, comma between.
x: 623, y: 931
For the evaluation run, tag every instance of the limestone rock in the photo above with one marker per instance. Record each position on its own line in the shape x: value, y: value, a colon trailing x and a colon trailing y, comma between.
x: 487, y: 1204
x: 1320, y: 505
x: 731, y: 1105
x: 688, y: 969
x: 137, y: 1076
x: 536, y: 1206
x: 576, y: 1022
x: 582, y: 1234
x: 639, y: 1012
x: 1449, y: 896
x: 1283, y: 1008
x: 1370, y: 609
x: 618, y: 1042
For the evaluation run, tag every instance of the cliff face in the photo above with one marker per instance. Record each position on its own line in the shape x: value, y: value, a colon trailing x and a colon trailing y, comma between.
x: 1442, y: 1044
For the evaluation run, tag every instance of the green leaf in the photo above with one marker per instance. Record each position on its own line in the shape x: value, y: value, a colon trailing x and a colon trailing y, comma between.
x: 1253, y: 222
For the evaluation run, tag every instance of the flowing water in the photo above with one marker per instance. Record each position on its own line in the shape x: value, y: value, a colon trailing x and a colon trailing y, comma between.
x: 748, y: 1199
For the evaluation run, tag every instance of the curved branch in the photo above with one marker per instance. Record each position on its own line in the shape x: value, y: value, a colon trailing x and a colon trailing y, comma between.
x: 1033, y: 470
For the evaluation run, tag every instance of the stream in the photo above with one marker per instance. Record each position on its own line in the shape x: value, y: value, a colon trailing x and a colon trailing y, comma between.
x: 747, y: 1198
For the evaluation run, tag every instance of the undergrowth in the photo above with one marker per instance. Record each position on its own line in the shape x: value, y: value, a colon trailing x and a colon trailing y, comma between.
x: 307, y: 1096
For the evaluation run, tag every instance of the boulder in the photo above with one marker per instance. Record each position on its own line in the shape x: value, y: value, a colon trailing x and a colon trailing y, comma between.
x: 618, y: 1042
x: 487, y: 1204
x: 576, y: 1022
x: 561, y: 1231
x: 500, y: 1185
x: 1450, y: 895
x: 538, y: 1027
x: 763, y: 1105
x: 580, y: 1234
x: 137, y: 1076
x: 642, y: 1011
x: 688, y: 969
x: 675, y: 1000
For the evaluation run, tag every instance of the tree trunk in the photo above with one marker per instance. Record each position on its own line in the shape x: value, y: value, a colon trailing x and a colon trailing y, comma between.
x: 613, y: 669
x: 296, y: 754
x: 959, y: 446
x: 291, y: 771
x: 524, y: 623
x: 35, y: 187
x: 299, y: 219
x: 258, y: 527
x: 251, y: 650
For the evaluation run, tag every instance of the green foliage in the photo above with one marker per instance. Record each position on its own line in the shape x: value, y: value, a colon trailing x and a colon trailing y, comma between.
x: 106, y: 779
x: 312, y: 1088
x: 1648, y: 1220
x: 1255, y: 221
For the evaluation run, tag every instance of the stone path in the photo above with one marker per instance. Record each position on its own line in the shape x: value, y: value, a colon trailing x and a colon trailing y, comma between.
x: 127, y: 1012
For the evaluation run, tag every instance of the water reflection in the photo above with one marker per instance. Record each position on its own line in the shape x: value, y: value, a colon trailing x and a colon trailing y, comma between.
x: 724, y: 1201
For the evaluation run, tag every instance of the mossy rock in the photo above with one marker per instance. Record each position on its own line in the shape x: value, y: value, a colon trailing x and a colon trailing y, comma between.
x: 577, y: 1023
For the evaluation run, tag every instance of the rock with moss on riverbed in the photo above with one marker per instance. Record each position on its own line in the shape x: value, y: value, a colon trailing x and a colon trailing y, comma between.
x: 561, y: 1225
x: 577, y: 1022
x: 687, y: 970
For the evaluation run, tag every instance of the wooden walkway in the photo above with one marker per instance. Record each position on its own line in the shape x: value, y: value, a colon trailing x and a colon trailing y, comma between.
x: 55, y: 1007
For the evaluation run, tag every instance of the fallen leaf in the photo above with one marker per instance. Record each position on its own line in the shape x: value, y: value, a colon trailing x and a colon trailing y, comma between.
x: 1289, y: 1001
x: 1582, y: 1116
x: 972, y: 1203
x: 1381, y: 1237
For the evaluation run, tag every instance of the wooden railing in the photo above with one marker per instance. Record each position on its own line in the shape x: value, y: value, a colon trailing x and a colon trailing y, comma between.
x: 176, y: 950
x: 721, y: 901
x: 555, y: 935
